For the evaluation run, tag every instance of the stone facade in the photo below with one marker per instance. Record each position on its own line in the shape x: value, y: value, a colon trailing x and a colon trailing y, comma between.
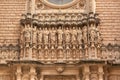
x: 79, y: 40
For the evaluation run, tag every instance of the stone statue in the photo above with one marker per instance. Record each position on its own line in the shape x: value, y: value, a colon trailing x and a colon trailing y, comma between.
x: 27, y: 35
x: 22, y: 38
x: 85, y: 34
x: 74, y: 35
x: 27, y: 51
x: 46, y: 35
x: 53, y: 53
x: 40, y: 36
x: 34, y: 51
x: 46, y: 54
x: 60, y: 35
x: 68, y: 53
x: 79, y: 36
x: 53, y: 35
x: 34, y: 35
x: 92, y: 34
x: 40, y: 53
x: 67, y: 36
x: 60, y: 54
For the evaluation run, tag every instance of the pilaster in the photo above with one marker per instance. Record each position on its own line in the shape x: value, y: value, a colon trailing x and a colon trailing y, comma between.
x: 101, y: 72
x: 86, y: 72
x: 32, y: 73
x: 18, y: 73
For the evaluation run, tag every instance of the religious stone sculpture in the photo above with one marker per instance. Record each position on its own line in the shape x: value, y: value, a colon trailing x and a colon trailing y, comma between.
x: 79, y: 36
x: 40, y: 36
x: 92, y: 33
x: 34, y: 36
x: 60, y: 35
x: 85, y: 34
x: 74, y: 36
x: 67, y: 36
x: 46, y: 36
x: 53, y: 36
x: 27, y: 35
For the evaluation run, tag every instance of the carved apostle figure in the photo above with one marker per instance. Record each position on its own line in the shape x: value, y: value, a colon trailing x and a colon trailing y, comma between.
x: 85, y: 34
x: 60, y: 35
x: 40, y: 35
x: 53, y: 35
x: 67, y: 35
x: 22, y: 37
x: 34, y: 38
x: 92, y: 33
x: 27, y: 35
x: 74, y: 35
x: 53, y: 53
x: 46, y: 35
x: 34, y: 51
x: 79, y: 35
x: 68, y: 53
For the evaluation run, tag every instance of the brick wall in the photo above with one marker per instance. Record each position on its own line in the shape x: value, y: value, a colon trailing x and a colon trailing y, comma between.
x: 11, y: 10
x: 10, y: 13
x: 109, y: 11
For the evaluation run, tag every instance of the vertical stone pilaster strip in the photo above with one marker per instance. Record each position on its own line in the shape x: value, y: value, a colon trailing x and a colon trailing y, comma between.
x: 101, y: 72
x: 33, y: 73
x: 18, y: 73
x: 86, y: 72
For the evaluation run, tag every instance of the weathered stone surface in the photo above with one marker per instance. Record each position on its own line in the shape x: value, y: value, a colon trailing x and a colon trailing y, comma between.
x: 24, y: 57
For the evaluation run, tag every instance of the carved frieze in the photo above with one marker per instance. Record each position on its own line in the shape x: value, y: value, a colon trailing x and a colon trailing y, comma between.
x: 9, y: 52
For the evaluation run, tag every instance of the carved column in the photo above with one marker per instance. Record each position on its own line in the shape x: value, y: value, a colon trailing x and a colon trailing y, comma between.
x: 86, y: 72
x: 18, y: 73
x: 32, y: 73
x: 101, y: 72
